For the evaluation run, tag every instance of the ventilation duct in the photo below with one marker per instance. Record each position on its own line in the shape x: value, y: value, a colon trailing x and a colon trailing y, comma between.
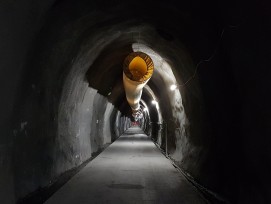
x: 137, y: 70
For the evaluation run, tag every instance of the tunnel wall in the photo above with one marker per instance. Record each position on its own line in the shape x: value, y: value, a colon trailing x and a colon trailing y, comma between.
x: 83, y: 124
x: 20, y: 23
x: 82, y: 131
x: 58, y: 121
x: 239, y: 111
x: 182, y: 129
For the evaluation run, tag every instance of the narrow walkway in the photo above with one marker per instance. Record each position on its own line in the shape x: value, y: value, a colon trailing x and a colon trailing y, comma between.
x: 131, y: 170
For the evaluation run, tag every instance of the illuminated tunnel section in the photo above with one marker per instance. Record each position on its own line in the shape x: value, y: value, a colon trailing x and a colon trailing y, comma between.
x: 63, y: 99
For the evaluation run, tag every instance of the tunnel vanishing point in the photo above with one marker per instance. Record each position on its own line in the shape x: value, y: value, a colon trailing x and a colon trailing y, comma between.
x: 66, y: 87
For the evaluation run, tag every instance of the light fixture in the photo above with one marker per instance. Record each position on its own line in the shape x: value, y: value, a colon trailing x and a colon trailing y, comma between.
x: 173, y: 87
x: 145, y: 109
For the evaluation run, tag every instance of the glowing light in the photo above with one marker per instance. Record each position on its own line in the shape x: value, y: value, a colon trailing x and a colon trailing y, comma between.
x: 173, y: 87
x: 154, y: 102
x: 145, y: 109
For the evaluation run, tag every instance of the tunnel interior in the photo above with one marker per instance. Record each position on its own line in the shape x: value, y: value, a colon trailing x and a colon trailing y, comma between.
x: 64, y: 101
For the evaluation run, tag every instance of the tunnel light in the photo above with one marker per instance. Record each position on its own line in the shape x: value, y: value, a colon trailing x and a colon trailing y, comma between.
x: 145, y: 109
x: 173, y: 87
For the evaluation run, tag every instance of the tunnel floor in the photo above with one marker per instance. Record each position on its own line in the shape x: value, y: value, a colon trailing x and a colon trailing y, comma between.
x: 131, y: 170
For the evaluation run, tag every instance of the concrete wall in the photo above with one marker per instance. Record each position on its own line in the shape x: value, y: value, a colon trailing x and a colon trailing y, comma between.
x: 78, y: 129
x: 49, y: 113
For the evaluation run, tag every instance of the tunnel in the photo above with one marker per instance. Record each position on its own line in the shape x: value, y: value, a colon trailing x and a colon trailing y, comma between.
x: 205, y: 111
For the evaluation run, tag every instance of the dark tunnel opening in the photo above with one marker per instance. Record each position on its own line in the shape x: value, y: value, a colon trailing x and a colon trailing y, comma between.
x: 63, y: 99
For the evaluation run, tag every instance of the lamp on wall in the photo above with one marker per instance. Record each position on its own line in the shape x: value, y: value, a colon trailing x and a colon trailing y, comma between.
x: 173, y: 87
